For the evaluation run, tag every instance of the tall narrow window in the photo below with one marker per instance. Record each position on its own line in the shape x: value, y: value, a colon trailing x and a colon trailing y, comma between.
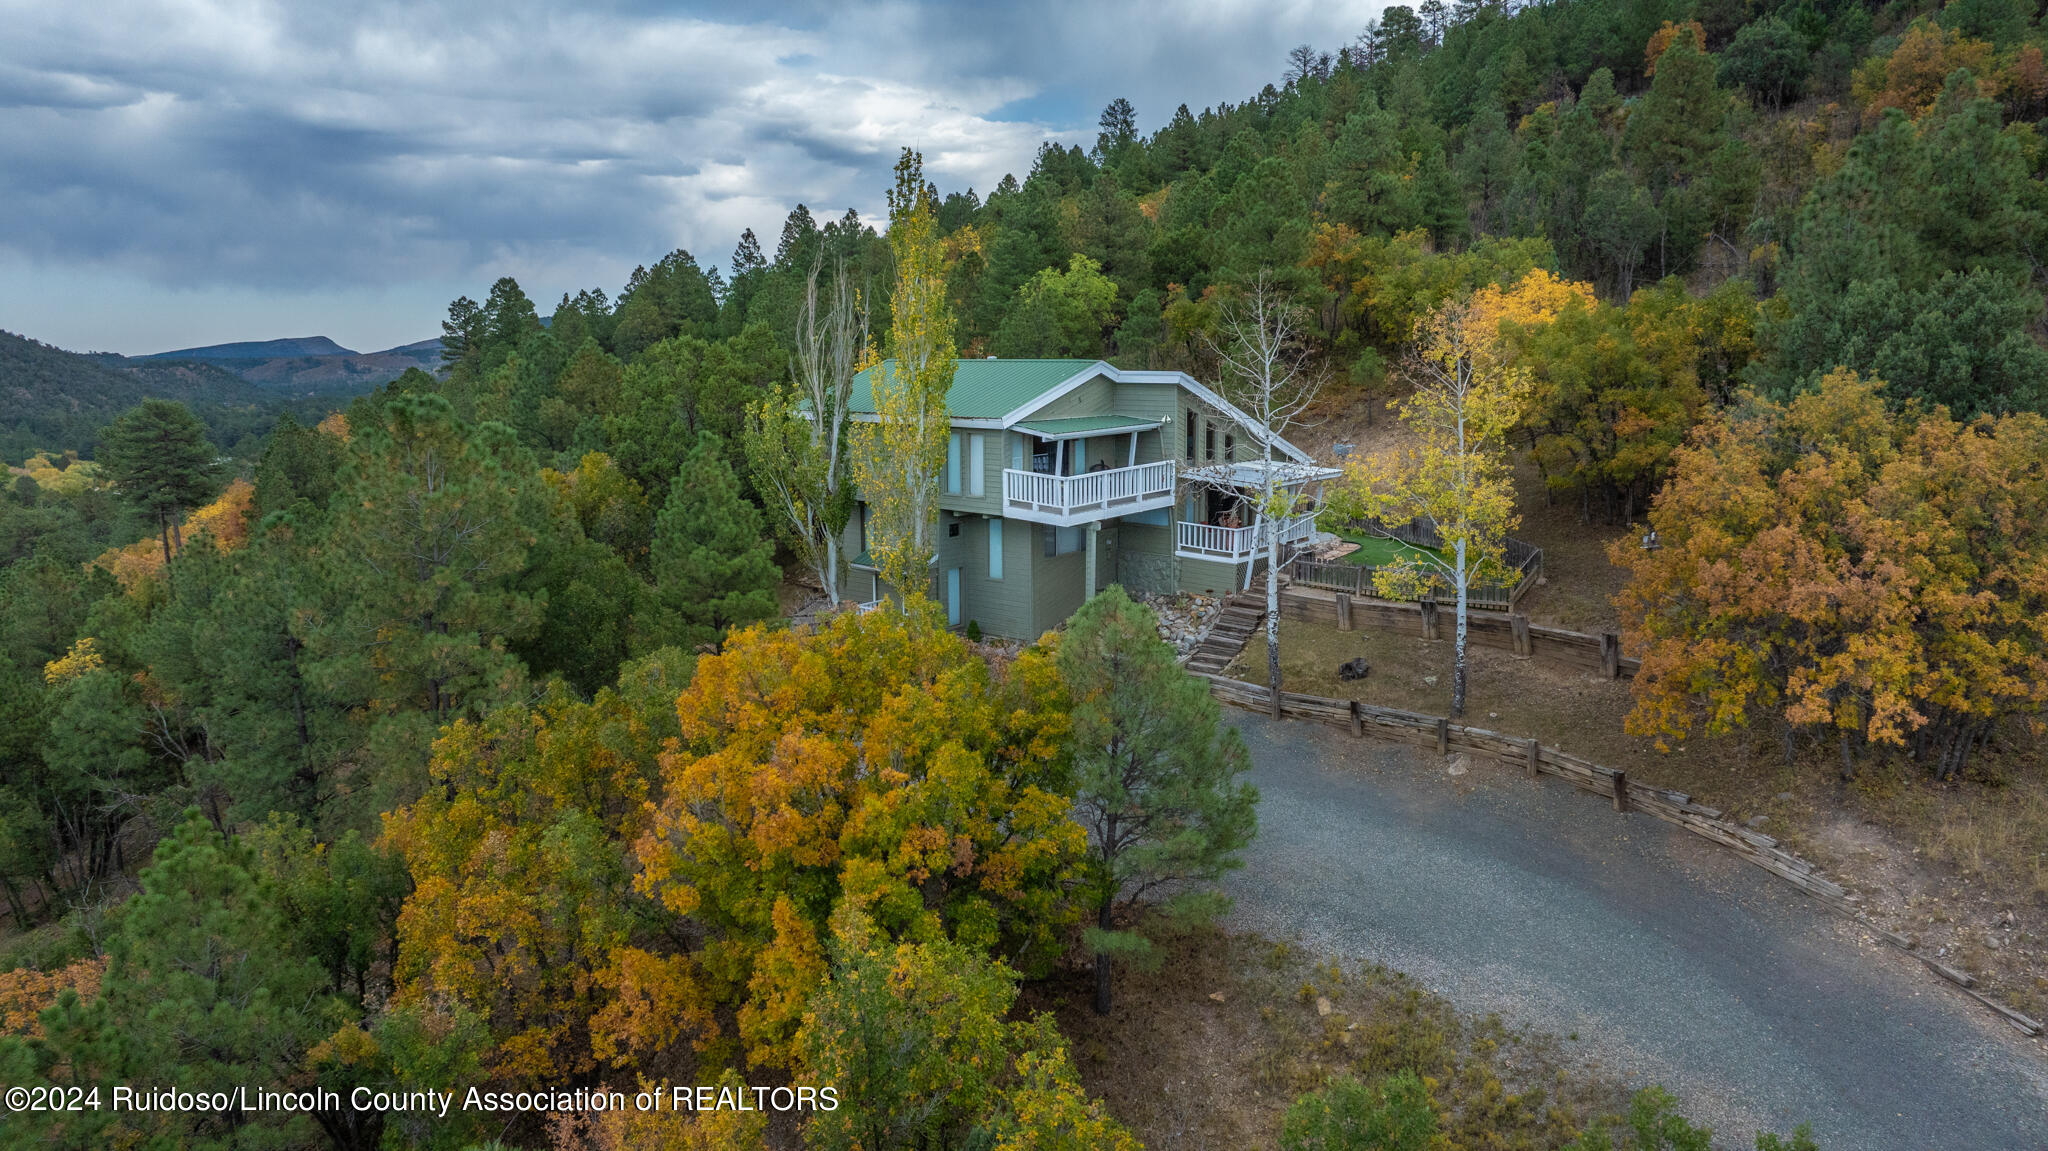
x: 976, y: 461
x: 1191, y: 435
x: 953, y: 463
x: 1208, y: 440
x: 1016, y: 451
x: 995, y: 549
x: 1230, y: 448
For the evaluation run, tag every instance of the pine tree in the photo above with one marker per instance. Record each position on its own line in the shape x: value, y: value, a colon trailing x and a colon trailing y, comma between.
x: 300, y: 464
x: 714, y: 567
x: 203, y: 992
x: 159, y: 460
x: 1369, y: 188
x: 746, y: 256
x: 1157, y: 777
x: 419, y: 594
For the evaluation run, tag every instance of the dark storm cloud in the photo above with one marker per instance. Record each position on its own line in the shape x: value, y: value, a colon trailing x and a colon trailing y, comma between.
x: 303, y: 148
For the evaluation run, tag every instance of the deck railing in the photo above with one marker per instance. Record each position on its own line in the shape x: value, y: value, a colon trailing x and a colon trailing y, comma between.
x: 1103, y: 491
x: 1212, y: 541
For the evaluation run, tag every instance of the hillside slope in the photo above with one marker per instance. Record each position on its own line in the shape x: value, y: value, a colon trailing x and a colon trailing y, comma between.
x: 51, y: 399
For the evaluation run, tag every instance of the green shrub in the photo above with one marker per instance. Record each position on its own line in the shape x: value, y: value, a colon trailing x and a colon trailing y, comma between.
x: 1396, y: 1115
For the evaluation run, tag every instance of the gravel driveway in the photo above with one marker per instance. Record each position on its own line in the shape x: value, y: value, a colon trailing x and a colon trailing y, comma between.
x: 1673, y: 962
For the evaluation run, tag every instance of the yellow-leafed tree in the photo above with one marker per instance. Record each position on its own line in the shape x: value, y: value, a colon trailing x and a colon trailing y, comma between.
x: 877, y: 761
x: 1454, y: 474
x: 897, y: 459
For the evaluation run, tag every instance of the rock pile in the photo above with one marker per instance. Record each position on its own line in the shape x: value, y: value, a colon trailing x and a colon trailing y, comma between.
x: 1183, y: 617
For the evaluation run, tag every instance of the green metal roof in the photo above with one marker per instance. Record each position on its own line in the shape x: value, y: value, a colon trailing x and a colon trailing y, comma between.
x: 863, y: 560
x: 984, y: 389
x: 1086, y: 426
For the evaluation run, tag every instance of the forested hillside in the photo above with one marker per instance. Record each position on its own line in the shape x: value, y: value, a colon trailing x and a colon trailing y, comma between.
x: 473, y: 708
x: 58, y: 401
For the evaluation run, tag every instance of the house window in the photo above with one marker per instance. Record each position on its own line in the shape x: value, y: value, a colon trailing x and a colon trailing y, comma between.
x: 1191, y: 436
x: 1062, y: 541
x: 995, y: 549
x: 953, y: 530
x: 1016, y: 452
x: 976, y: 461
x: 1230, y: 448
x: 953, y: 463
x: 1208, y: 440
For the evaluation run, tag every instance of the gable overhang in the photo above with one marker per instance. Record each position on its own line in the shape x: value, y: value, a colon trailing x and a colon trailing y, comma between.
x: 1146, y: 376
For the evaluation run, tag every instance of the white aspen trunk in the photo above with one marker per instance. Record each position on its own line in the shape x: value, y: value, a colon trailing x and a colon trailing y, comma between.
x: 831, y: 572
x: 1273, y: 611
x: 1458, y: 666
x: 1268, y: 513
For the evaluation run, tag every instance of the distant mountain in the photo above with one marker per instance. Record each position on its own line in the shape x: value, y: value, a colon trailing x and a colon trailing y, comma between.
x: 55, y: 400
x: 310, y: 364
x: 258, y: 350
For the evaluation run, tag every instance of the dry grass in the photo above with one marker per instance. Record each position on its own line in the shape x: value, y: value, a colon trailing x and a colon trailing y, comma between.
x: 1208, y: 1050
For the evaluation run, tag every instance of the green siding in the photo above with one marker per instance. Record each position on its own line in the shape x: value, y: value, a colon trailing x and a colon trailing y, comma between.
x: 1090, y: 399
x: 995, y: 453
x: 1055, y: 583
x: 1001, y: 606
x: 1210, y: 577
x: 1152, y: 401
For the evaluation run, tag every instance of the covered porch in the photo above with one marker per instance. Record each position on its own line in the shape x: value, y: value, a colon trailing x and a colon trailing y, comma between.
x: 1220, y: 518
x: 1061, y: 486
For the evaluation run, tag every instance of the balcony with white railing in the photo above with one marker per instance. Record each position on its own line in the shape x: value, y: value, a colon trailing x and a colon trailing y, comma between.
x: 1234, y: 545
x: 1068, y: 500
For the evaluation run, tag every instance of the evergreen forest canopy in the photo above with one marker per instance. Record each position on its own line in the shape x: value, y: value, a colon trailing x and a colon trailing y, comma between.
x: 462, y: 702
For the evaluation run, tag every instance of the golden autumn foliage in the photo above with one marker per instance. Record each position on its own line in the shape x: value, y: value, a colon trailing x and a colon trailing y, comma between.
x: 83, y: 657
x: 878, y: 761
x: 66, y: 475
x: 225, y: 521
x: 605, y: 882
x: 1835, y: 568
x: 1662, y: 39
x: 25, y: 992
x: 522, y: 906
x: 1911, y: 78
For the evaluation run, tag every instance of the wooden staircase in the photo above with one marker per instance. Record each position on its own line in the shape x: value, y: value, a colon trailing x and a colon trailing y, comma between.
x: 1242, y: 615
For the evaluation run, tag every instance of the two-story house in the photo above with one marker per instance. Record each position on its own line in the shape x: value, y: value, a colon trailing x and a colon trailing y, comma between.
x: 1063, y: 476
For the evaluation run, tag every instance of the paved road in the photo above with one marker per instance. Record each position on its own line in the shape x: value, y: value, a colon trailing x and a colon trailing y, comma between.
x: 1673, y: 961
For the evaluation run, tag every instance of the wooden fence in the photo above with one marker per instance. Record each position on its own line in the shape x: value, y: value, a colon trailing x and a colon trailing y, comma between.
x: 1599, y: 653
x: 1523, y: 559
x: 1673, y: 807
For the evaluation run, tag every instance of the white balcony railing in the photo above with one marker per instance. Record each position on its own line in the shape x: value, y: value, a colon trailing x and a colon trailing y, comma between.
x: 1207, y: 541
x: 1091, y: 495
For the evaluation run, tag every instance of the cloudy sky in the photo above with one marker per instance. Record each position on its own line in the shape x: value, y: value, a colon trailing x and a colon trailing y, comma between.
x: 183, y: 172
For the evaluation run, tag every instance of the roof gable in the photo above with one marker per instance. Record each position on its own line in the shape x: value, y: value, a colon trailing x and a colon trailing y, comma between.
x: 1003, y: 393
x: 984, y: 389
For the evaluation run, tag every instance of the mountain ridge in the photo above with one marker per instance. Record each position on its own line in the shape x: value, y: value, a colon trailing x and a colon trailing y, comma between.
x: 308, y: 364
x: 52, y: 399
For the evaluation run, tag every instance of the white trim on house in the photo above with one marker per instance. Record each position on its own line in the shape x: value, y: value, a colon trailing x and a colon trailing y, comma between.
x: 1144, y: 376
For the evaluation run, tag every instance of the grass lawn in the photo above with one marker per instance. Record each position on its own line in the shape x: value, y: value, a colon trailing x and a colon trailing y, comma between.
x: 1379, y: 551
